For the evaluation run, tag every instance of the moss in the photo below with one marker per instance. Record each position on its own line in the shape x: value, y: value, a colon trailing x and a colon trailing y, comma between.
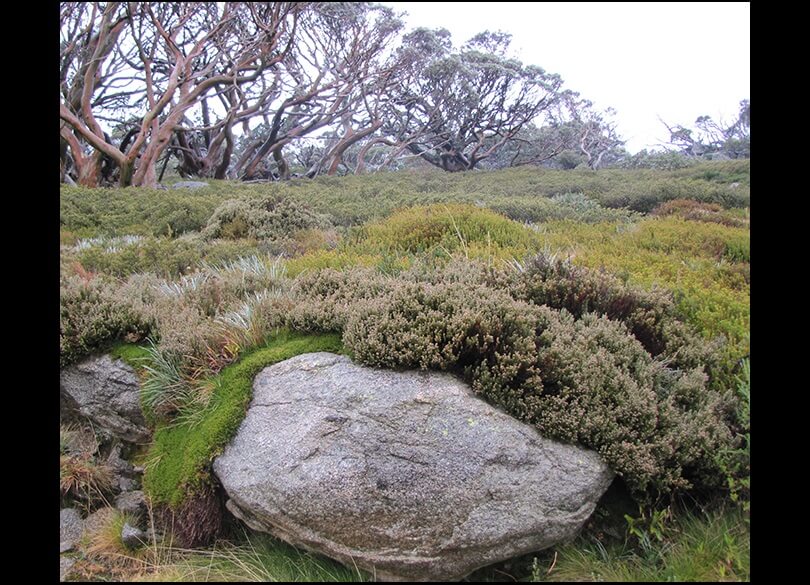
x: 181, y: 454
x: 131, y: 354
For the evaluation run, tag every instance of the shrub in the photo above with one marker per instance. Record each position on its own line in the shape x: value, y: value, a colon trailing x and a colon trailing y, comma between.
x: 693, y: 210
x: 92, y: 316
x: 585, y: 380
x: 565, y: 206
x: 135, y: 210
x: 445, y: 229
x: 704, y: 265
x: 651, y: 316
x: 267, y: 218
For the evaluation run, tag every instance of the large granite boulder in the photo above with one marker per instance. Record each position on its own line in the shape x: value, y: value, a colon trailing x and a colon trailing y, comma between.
x: 107, y: 392
x: 405, y: 474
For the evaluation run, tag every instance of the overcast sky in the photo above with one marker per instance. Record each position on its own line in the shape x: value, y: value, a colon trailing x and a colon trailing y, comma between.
x: 669, y: 59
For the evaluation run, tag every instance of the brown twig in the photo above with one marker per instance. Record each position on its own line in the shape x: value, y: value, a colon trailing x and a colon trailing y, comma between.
x: 554, y: 562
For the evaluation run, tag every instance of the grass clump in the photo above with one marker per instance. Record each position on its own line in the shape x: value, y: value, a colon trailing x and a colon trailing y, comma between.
x: 695, y: 546
x: 254, y: 557
x: 84, y: 480
x: 181, y: 454
x: 166, y: 257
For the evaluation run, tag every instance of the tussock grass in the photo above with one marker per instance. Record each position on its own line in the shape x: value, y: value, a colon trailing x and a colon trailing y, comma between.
x: 254, y: 557
x: 712, y: 546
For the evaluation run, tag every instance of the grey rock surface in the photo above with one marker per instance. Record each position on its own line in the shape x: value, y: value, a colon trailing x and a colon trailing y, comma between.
x: 98, y: 520
x: 71, y: 527
x: 107, y: 392
x: 132, y: 537
x: 189, y: 185
x: 127, y: 477
x: 404, y: 474
x: 65, y: 565
x: 133, y: 503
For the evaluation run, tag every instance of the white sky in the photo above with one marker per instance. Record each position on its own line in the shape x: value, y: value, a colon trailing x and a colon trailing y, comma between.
x: 676, y: 60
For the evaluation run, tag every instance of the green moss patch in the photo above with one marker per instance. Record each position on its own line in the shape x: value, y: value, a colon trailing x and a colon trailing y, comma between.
x: 181, y: 454
x: 132, y: 354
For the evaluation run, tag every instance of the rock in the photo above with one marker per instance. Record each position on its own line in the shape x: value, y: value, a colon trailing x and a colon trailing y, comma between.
x: 71, y: 527
x: 126, y: 484
x: 132, y: 503
x: 189, y: 185
x: 98, y: 520
x: 132, y: 537
x: 404, y: 474
x: 107, y: 392
x: 65, y: 565
x: 127, y: 477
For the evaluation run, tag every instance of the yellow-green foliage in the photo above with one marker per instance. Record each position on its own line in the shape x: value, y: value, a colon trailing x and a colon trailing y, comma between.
x: 707, y: 265
x: 453, y: 228
x: 337, y: 259
x: 353, y: 200
x: 181, y: 453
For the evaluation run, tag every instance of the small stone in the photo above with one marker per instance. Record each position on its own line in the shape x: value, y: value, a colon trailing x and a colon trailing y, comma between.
x: 65, y: 565
x: 133, y: 503
x: 71, y: 527
x: 133, y: 537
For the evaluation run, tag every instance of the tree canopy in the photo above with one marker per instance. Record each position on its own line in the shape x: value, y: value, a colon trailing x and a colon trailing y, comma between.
x: 258, y: 90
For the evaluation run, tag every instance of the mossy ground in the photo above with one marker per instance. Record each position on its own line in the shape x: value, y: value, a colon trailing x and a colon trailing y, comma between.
x: 132, y: 354
x: 181, y: 453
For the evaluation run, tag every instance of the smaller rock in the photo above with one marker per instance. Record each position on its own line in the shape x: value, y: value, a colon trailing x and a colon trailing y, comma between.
x: 133, y: 537
x: 126, y: 475
x: 126, y: 484
x: 65, y: 565
x: 107, y: 392
x: 71, y: 527
x: 98, y: 519
x: 133, y: 503
x: 189, y: 185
